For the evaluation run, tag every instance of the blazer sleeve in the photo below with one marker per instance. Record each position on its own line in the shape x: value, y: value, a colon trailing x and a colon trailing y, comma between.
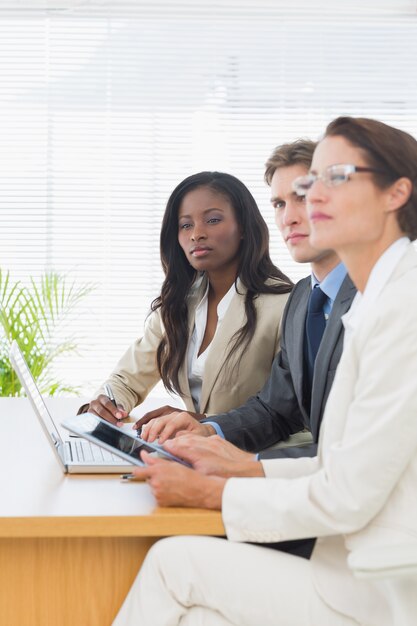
x: 369, y: 441
x: 292, y: 452
x: 137, y: 372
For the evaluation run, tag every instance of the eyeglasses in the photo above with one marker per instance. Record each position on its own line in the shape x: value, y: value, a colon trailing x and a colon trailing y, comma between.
x: 332, y: 176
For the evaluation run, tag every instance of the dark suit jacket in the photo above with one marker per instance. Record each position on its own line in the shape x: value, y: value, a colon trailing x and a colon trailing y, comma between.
x: 280, y: 408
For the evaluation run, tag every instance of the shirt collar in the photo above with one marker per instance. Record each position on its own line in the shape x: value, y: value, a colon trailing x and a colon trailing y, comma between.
x: 223, y: 304
x: 378, y: 278
x: 332, y: 282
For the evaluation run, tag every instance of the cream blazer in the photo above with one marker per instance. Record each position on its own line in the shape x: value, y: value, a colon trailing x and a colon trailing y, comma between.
x: 224, y: 387
x: 361, y: 489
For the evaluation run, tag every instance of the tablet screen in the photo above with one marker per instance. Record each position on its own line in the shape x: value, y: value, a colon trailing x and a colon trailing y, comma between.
x: 95, y: 429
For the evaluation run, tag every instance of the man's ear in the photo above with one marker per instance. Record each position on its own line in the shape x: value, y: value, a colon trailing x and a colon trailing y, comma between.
x: 399, y: 193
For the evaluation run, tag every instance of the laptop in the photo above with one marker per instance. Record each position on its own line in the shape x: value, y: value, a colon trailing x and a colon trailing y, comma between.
x: 76, y: 456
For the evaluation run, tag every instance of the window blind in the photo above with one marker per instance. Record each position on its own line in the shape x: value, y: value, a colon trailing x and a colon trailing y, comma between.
x: 105, y: 107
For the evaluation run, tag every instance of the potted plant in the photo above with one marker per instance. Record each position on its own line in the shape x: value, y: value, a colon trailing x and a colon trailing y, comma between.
x: 34, y: 316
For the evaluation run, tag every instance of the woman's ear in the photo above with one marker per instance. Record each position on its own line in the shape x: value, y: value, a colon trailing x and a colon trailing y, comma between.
x: 399, y: 193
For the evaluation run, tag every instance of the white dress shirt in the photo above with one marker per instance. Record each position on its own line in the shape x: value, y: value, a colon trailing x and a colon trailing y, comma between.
x: 197, y: 362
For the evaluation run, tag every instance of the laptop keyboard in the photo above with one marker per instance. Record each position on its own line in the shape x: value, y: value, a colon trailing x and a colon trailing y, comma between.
x: 85, y: 452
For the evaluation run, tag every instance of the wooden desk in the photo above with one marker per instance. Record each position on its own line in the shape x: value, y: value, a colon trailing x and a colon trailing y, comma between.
x: 70, y: 546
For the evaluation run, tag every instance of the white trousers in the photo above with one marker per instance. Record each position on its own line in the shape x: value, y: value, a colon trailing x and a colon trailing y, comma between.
x: 205, y: 581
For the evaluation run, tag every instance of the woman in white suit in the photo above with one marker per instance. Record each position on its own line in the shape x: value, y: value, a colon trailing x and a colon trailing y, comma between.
x: 360, y: 491
x: 213, y: 331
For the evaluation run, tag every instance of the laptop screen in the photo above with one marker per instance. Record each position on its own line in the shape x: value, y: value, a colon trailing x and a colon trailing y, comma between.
x: 28, y: 383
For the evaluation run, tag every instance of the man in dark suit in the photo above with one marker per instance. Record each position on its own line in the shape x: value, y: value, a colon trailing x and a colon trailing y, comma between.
x: 293, y: 398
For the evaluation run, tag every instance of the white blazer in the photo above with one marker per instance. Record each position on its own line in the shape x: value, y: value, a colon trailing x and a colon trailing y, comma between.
x: 361, y: 489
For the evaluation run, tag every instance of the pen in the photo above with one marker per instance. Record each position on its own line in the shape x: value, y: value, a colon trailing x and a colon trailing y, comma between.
x: 127, y: 476
x: 109, y: 394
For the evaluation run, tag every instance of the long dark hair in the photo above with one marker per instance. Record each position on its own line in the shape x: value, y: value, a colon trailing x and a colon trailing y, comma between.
x: 254, y: 268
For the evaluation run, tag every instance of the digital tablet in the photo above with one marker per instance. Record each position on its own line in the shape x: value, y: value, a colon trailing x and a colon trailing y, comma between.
x: 112, y: 438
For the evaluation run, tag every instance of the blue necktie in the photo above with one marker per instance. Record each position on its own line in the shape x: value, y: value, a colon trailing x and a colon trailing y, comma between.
x: 315, y: 326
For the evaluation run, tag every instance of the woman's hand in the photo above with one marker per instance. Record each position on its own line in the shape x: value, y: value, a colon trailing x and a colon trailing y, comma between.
x: 173, y: 484
x: 104, y: 407
x: 162, y: 411
x: 214, y: 456
x: 173, y: 424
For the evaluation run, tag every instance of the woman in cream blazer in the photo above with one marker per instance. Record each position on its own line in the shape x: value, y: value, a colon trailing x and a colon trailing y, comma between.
x: 360, y: 491
x: 224, y: 385
x: 213, y: 332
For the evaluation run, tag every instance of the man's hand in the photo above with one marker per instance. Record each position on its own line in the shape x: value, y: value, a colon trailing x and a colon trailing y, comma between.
x: 173, y: 484
x: 174, y: 424
x: 104, y: 407
x: 214, y: 456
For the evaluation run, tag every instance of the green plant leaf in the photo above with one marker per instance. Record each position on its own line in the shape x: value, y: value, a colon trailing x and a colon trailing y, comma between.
x: 34, y: 315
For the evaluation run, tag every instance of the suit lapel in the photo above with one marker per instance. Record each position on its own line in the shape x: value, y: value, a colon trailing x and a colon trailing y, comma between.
x: 193, y: 301
x: 220, y: 345
x: 294, y: 337
x: 332, y: 335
